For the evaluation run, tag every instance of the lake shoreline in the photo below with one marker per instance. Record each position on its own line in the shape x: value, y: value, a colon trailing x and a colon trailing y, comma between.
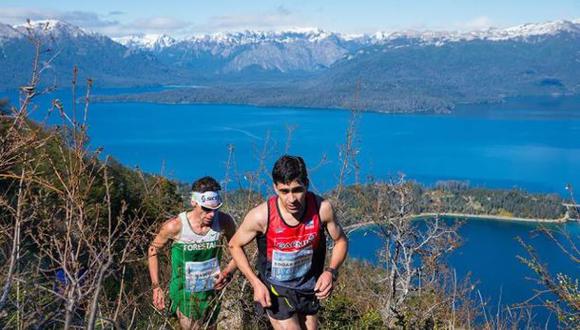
x: 497, y: 218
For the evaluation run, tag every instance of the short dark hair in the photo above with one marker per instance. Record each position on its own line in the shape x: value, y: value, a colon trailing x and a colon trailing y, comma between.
x: 289, y: 168
x: 207, y: 183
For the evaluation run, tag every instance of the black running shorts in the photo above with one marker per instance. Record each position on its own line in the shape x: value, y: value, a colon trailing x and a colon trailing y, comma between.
x: 287, y: 302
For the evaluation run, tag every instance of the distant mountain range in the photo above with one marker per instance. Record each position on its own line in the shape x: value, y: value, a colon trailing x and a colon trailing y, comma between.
x: 395, y: 72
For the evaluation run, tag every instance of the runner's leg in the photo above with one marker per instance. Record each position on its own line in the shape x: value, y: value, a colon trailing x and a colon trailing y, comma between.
x: 185, y: 322
x: 289, y: 324
x: 309, y: 322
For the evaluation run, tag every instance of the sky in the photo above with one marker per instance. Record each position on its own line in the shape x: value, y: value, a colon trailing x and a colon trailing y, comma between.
x: 181, y: 18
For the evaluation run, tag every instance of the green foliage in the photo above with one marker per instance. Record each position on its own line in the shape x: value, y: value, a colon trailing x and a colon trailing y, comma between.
x: 452, y: 197
x: 516, y: 202
x: 562, y: 294
x: 70, y: 199
x: 341, y: 312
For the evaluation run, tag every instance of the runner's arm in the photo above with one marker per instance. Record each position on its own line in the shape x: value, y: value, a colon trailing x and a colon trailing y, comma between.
x: 254, y: 223
x: 225, y: 276
x: 339, y: 251
x: 324, y: 284
x: 229, y: 230
x: 168, y: 230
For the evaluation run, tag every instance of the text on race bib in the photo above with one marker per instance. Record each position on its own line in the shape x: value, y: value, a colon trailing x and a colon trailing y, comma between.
x: 199, y: 275
x: 290, y: 265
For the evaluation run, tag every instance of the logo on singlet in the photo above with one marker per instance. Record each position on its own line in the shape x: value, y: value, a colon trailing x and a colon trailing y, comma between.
x: 199, y: 246
x: 297, y: 244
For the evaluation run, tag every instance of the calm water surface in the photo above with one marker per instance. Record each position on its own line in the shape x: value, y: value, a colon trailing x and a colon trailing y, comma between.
x: 489, y: 253
x: 532, y: 143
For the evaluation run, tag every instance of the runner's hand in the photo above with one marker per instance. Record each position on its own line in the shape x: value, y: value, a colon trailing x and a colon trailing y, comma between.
x: 262, y: 295
x: 158, y: 298
x: 220, y: 280
x: 324, y: 285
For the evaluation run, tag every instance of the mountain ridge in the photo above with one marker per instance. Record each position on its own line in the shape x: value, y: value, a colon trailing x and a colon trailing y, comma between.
x: 312, y: 34
x: 399, y: 72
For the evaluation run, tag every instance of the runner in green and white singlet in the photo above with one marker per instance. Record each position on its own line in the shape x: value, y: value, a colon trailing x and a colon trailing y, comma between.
x: 195, y: 258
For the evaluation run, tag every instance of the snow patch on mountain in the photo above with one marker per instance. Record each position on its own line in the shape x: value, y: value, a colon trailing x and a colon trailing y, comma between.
x: 8, y: 32
x: 147, y: 41
x: 54, y: 28
x: 157, y: 42
x: 520, y: 32
x: 256, y: 37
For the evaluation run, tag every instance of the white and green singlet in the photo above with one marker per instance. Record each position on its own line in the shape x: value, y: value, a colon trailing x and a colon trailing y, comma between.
x: 195, y: 261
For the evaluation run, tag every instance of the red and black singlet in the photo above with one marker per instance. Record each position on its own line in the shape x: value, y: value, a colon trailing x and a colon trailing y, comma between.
x: 292, y: 256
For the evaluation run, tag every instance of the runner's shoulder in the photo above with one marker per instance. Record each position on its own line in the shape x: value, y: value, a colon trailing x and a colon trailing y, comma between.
x: 325, y: 210
x: 258, y: 216
x: 171, y: 227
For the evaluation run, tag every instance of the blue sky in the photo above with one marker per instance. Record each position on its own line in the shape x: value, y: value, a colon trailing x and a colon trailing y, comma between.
x: 182, y: 18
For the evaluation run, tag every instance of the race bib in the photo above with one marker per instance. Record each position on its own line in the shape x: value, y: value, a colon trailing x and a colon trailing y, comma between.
x: 288, y: 265
x: 199, y: 275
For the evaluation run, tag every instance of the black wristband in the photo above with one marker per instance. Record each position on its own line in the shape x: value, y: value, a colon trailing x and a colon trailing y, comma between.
x: 332, y: 271
x: 229, y: 276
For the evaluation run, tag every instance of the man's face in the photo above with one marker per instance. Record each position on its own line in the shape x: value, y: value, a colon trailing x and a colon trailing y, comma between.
x: 292, y: 195
x: 205, y: 214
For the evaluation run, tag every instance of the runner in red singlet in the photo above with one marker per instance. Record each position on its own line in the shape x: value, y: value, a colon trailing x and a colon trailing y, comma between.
x: 290, y: 230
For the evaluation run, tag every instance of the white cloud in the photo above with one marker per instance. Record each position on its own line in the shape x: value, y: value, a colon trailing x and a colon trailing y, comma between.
x: 92, y: 21
x: 9, y: 15
x: 278, y: 18
x: 151, y: 25
x: 478, y: 23
x: 116, y: 13
x: 158, y: 23
x: 112, y: 24
x: 84, y: 19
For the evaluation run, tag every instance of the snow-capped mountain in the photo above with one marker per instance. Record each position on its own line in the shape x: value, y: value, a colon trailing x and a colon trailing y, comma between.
x: 425, y: 66
x: 255, y: 37
x: 311, y: 49
x: 282, y: 51
x: 53, y: 28
x: 157, y: 42
x: 521, y: 33
x: 63, y: 46
x: 153, y: 42
x: 533, y: 30
x: 316, y: 35
x: 8, y: 32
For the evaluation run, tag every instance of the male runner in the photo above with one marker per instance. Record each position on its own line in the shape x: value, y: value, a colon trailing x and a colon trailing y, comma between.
x: 195, y: 258
x: 289, y: 229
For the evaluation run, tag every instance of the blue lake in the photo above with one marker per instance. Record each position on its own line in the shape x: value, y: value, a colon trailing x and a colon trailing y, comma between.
x: 530, y: 143
x: 489, y: 254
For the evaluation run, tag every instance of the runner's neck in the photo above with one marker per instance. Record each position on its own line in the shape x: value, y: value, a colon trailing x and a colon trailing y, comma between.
x: 291, y: 219
x: 197, y: 226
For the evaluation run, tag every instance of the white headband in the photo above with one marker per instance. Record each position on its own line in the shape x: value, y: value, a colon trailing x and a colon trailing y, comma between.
x: 209, y: 199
